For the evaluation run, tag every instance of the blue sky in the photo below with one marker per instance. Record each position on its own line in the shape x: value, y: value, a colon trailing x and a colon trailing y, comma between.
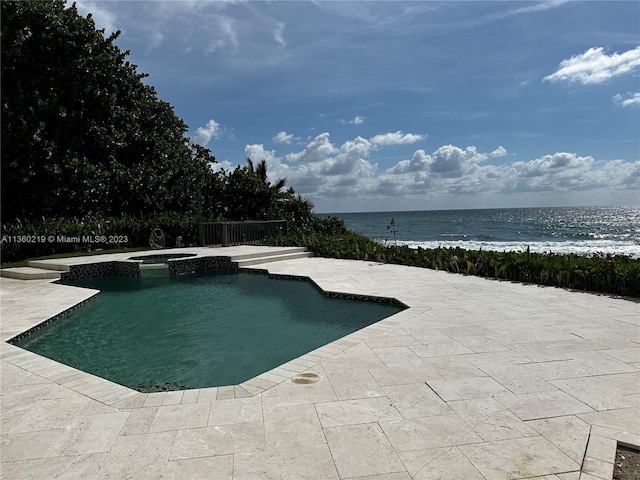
x: 382, y: 106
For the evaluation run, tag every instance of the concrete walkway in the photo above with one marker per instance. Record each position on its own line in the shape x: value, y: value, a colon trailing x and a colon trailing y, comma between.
x: 478, y: 379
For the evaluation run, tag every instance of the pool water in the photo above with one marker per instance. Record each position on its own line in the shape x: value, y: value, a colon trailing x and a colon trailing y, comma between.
x: 196, y: 331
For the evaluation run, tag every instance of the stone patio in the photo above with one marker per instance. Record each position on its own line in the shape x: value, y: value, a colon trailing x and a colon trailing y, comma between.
x: 478, y: 379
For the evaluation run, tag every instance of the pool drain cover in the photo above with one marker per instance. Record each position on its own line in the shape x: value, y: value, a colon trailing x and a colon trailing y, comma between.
x: 305, y: 378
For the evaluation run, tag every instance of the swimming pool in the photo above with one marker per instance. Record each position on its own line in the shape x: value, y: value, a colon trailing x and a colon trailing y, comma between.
x: 195, y: 331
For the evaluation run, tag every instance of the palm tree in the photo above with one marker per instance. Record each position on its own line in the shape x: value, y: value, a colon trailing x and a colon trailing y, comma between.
x: 261, y: 171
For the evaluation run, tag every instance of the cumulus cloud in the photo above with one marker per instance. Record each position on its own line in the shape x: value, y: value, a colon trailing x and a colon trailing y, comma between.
x: 453, y: 170
x: 351, y: 157
x: 276, y: 168
x: 324, y: 158
x: 347, y: 173
x: 595, y: 66
x: 321, y: 168
x: 318, y: 149
x: 627, y: 100
x: 396, y: 138
x: 224, y: 165
x: 283, y: 137
x: 447, y: 160
x: 560, y: 163
x: 257, y: 152
x: 499, y: 152
x: 204, y: 134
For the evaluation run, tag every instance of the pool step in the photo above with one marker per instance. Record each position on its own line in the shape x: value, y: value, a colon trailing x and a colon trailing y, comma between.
x: 30, y: 273
x: 268, y: 253
x: 154, y: 269
x: 48, y: 265
x: 274, y: 257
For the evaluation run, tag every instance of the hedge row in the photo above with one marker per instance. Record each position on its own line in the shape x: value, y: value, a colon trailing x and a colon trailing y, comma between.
x: 29, y: 239
x: 619, y: 275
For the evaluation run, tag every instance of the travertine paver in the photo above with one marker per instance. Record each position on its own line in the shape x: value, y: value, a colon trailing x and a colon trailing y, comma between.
x: 477, y: 380
x: 569, y: 434
x: 312, y: 462
x: 439, y: 464
x: 518, y: 458
x: 292, y: 426
x: 363, y: 449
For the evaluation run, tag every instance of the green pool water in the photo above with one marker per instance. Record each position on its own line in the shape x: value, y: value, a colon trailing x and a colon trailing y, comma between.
x: 197, y: 331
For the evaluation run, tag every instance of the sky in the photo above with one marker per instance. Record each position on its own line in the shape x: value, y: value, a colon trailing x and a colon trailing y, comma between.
x: 419, y: 105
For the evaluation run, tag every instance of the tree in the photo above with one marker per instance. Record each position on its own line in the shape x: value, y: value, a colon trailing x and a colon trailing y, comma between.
x: 81, y: 132
x: 261, y: 171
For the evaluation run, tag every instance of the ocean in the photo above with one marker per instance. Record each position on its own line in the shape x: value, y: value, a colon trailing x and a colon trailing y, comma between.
x: 579, y: 230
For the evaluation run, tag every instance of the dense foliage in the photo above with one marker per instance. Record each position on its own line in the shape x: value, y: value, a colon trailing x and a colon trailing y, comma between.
x: 35, y: 238
x: 601, y: 273
x: 81, y: 133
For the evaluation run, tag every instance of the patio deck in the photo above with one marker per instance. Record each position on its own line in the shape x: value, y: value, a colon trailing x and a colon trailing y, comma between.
x: 478, y: 379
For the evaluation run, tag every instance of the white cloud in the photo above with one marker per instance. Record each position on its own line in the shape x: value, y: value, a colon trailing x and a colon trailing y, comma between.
x: 627, y: 100
x: 447, y: 161
x: 358, y: 120
x: 224, y: 165
x: 418, y: 163
x: 276, y: 168
x: 501, y: 15
x: 351, y: 156
x: 345, y: 175
x: 594, y: 66
x: 102, y: 17
x: 283, y: 137
x: 499, y: 152
x: 322, y: 168
x: 451, y: 170
x: 453, y: 160
x: 318, y: 149
x: 225, y: 33
x: 396, y: 138
x: 257, y: 153
x: 204, y: 134
x: 553, y: 165
x: 278, y: 35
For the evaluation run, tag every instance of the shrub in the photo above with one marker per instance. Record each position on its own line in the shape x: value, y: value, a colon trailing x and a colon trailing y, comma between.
x: 28, y: 239
x: 618, y: 275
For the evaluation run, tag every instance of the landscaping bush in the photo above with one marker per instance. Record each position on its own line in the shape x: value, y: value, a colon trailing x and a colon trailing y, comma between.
x: 618, y: 274
x: 29, y: 239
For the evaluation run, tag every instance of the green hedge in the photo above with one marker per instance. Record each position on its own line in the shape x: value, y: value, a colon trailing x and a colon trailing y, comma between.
x: 29, y: 239
x: 618, y: 275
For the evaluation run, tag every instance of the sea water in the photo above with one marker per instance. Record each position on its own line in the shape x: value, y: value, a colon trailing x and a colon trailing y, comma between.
x: 579, y: 230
